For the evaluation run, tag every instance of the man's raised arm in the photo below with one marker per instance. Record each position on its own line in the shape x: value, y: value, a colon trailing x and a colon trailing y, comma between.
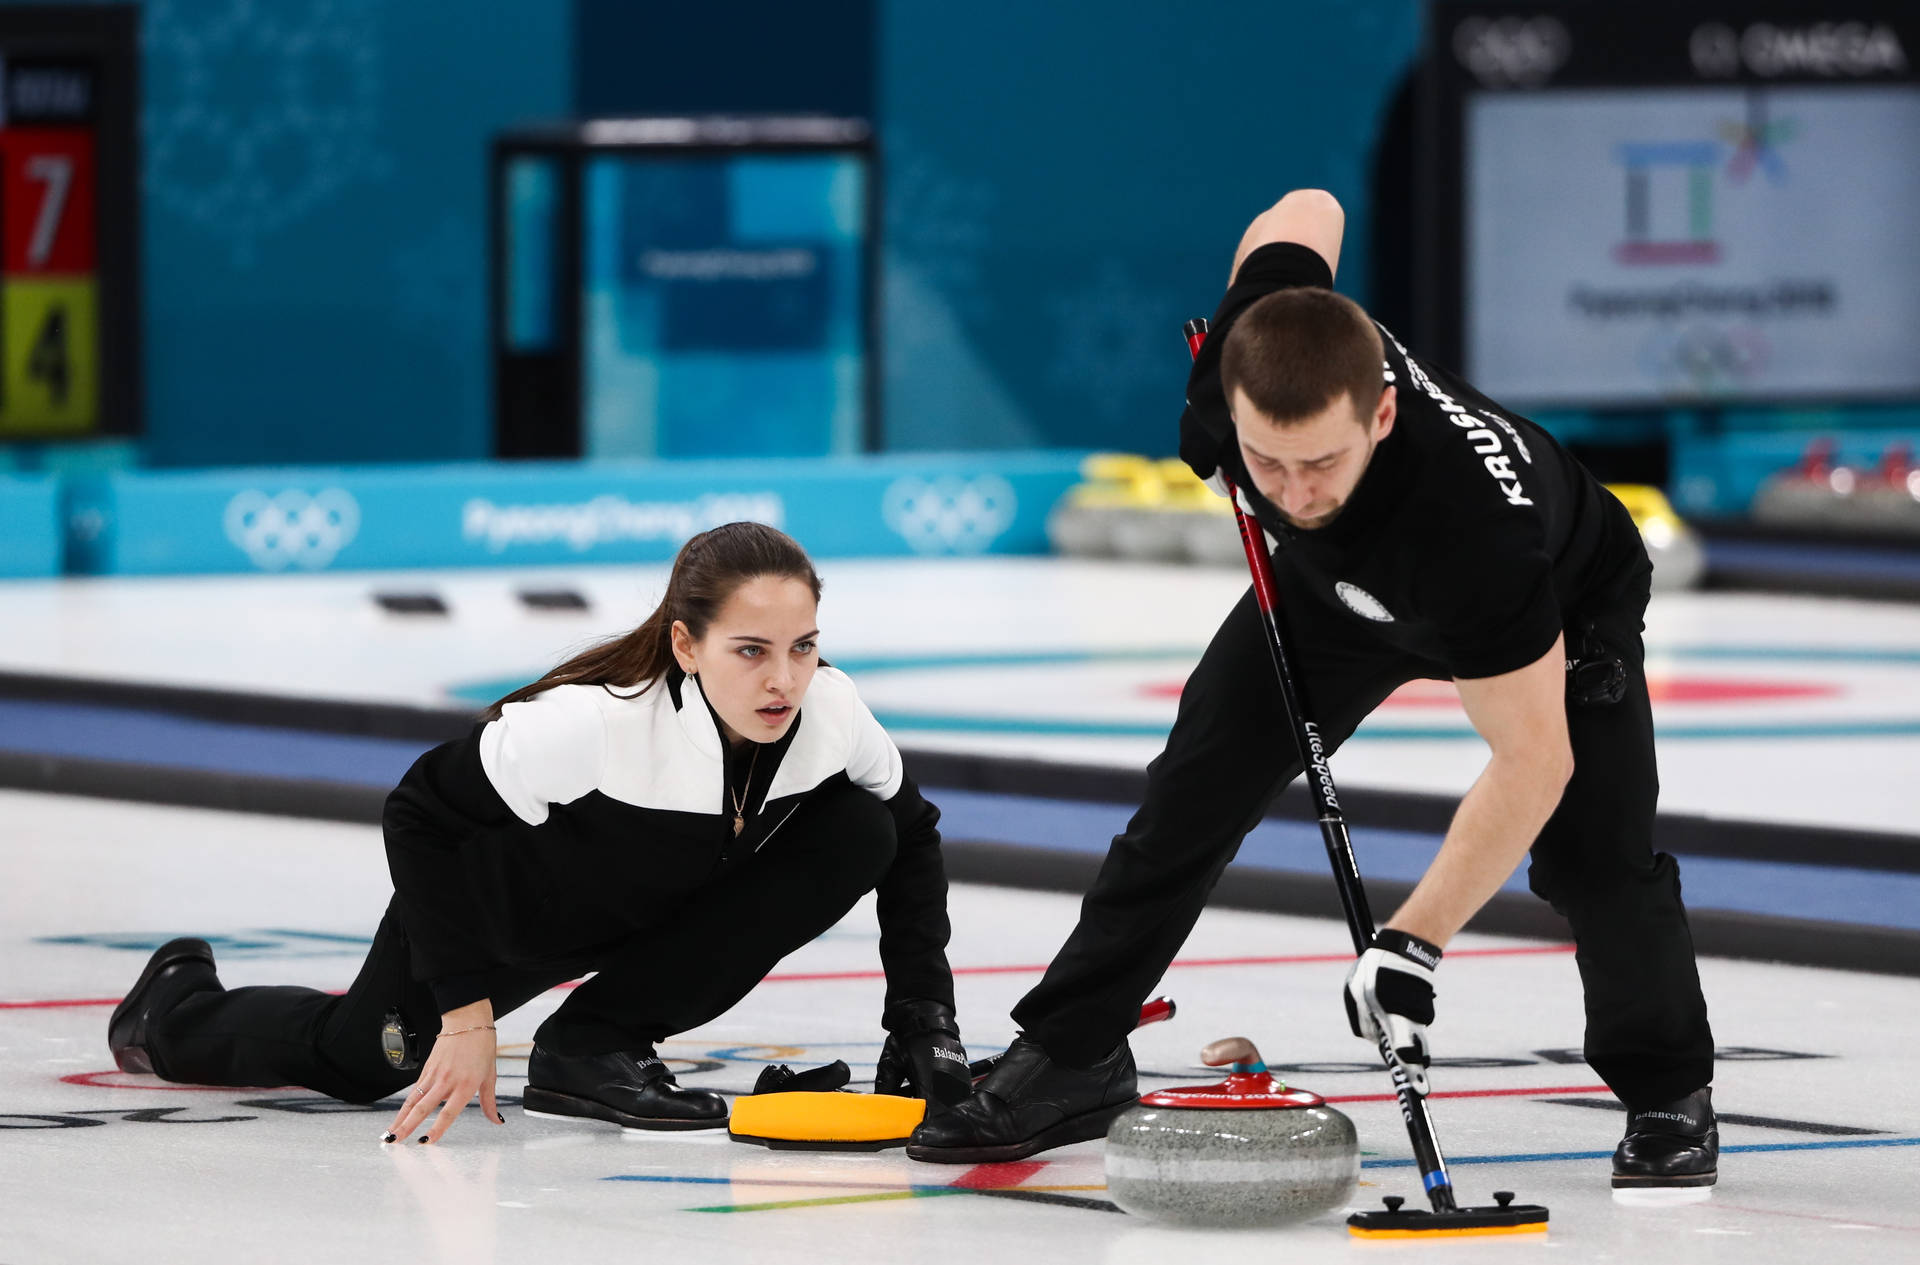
x: 1311, y: 217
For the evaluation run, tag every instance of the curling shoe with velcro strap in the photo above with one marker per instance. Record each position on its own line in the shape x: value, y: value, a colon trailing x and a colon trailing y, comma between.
x: 1029, y: 1103
x: 634, y: 1091
x: 1674, y: 1144
x: 176, y: 970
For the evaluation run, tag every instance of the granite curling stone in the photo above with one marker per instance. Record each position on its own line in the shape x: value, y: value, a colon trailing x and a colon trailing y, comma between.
x: 1245, y: 1152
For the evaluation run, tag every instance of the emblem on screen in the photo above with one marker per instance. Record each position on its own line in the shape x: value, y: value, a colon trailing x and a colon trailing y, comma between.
x: 1670, y: 185
x: 292, y: 528
x: 950, y: 514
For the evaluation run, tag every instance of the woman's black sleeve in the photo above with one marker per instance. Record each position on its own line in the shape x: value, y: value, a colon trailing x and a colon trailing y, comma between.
x: 444, y: 801
x: 913, y: 905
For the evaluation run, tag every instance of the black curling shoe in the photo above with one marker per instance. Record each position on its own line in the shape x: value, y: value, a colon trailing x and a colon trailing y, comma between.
x: 1028, y: 1104
x: 634, y: 1091
x: 176, y: 969
x: 1675, y: 1144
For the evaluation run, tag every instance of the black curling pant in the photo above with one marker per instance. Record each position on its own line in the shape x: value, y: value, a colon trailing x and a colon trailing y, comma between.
x: 1231, y: 751
x: 669, y: 976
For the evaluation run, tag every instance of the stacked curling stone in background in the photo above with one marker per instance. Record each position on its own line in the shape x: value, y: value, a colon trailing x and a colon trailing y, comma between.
x: 1888, y: 501
x: 1820, y: 493
x: 1143, y: 510
x: 1134, y: 507
x: 1245, y: 1152
x: 1679, y: 559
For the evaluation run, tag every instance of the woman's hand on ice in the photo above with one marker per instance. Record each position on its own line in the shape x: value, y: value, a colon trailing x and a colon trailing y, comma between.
x: 461, y: 1065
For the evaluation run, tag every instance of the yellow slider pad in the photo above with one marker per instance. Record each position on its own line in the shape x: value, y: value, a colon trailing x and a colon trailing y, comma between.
x: 825, y: 1122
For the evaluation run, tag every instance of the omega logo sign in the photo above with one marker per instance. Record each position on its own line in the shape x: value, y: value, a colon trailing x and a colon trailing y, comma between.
x: 1833, y: 49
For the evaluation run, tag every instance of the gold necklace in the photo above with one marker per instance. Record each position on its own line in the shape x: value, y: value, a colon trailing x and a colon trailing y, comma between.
x: 740, y: 800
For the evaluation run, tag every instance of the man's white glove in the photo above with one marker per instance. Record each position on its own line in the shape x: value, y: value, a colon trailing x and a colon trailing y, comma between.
x: 1391, y: 987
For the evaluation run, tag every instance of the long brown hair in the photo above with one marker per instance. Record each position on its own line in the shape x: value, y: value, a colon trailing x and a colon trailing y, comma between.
x: 706, y: 572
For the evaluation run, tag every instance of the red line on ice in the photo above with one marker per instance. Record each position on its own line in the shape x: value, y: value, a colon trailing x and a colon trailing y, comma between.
x: 1020, y: 968
x: 1291, y: 959
x: 61, y: 1003
x: 92, y: 1080
x: 1478, y: 1093
x: 998, y: 1176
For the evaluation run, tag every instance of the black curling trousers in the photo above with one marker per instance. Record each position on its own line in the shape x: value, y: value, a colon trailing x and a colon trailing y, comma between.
x: 1231, y: 751
x: 668, y: 977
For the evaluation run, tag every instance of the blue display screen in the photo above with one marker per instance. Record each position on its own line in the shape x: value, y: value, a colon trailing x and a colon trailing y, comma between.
x: 725, y: 305
x: 533, y: 187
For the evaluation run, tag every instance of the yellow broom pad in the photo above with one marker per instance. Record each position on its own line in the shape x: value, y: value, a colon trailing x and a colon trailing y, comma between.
x: 825, y: 1118
x: 1446, y: 1231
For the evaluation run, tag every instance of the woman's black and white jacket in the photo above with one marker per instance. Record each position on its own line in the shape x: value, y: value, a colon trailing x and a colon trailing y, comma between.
x: 583, y: 814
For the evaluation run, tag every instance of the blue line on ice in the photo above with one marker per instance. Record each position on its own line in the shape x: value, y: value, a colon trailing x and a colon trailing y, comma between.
x: 1540, y: 1157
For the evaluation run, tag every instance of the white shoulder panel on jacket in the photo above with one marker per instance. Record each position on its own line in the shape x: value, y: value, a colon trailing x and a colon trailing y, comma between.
x: 550, y: 749
x: 837, y: 733
x: 875, y: 762
x: 664, y: 758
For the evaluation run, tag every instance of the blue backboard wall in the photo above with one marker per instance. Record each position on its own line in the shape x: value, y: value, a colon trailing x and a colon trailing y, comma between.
x: 313, y: 220
x: 1066, y: 184
x: 1062, y: 183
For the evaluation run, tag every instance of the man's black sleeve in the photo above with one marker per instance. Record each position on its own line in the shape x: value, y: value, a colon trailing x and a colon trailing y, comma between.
x: 1206, y: 428
x: 444, y: 801
x: 914, y: 928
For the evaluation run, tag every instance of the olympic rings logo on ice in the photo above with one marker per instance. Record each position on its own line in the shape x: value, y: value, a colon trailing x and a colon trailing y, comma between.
x: 292, y: 528
x: 950, y: 514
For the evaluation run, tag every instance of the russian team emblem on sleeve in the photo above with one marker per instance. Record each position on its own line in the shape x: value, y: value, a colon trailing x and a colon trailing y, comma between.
x: 1363, y: 603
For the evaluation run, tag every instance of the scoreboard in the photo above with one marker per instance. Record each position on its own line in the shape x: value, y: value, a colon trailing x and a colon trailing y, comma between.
x: 68, y: 365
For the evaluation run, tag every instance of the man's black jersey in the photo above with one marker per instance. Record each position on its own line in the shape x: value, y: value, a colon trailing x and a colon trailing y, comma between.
x: 1472, y: 537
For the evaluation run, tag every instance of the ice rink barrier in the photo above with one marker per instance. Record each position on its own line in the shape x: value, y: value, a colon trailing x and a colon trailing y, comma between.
x: 29, y: 525
x: 543, y: 513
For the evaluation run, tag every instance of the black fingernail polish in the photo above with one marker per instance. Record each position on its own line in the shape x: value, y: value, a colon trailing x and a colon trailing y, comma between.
x: 423, y: 1139
x: 387, y: 1138
x: 502, y: 1119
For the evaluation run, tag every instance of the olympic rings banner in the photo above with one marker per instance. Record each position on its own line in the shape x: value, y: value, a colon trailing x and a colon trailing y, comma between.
x: 311, y: 519
x: 29, y: 525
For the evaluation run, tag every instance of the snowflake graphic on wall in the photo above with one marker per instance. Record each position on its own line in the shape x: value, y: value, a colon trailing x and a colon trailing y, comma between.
x: 259, y: 111
x: 439, y: 296
x: 938, y: 223
x: 437, y: 286
x: 1112, y: 341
